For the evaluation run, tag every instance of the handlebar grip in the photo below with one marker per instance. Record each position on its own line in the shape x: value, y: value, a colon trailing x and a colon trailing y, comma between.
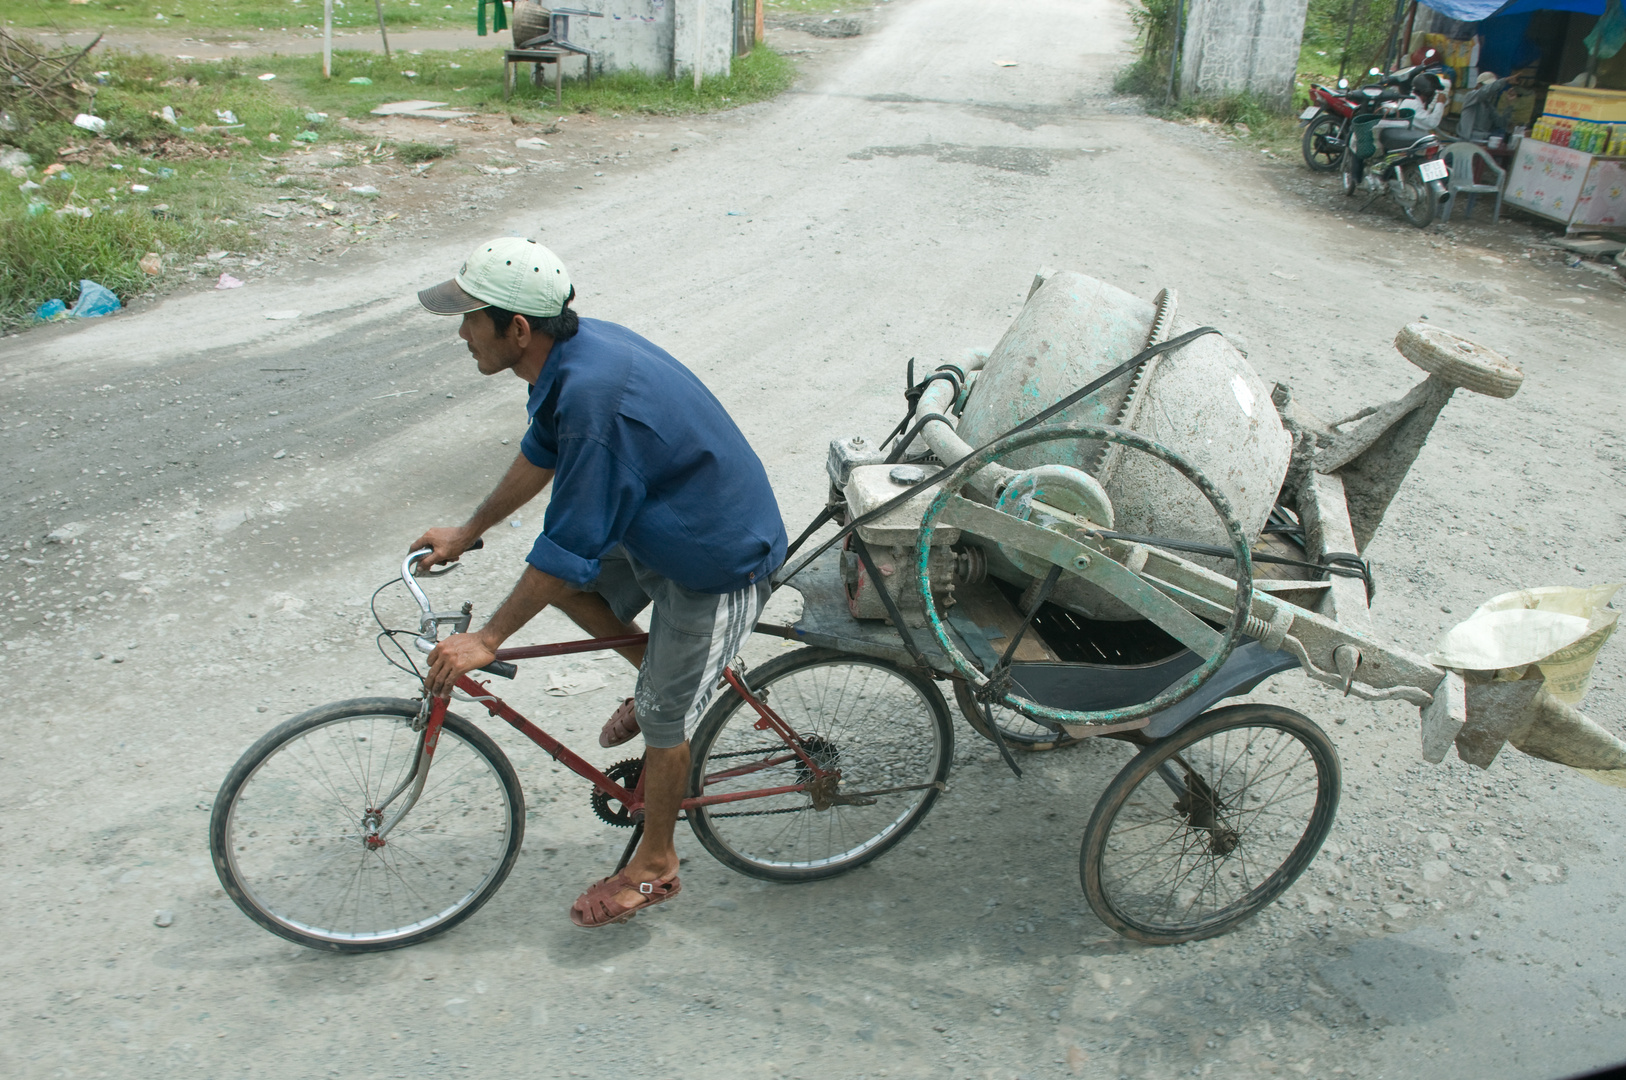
x: 477, y: 545
x: 502, y: 669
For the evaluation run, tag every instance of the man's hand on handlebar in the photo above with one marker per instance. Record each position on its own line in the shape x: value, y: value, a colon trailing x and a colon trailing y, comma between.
x: 455, y: 657
x: 449, y: 543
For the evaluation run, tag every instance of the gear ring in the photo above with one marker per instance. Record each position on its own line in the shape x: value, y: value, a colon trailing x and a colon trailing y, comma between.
x: 626, y: 774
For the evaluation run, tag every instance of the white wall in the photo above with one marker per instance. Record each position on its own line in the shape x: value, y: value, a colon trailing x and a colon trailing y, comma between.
x: 657, y: 36
x: 1237, y: 45
x: 634, y: 34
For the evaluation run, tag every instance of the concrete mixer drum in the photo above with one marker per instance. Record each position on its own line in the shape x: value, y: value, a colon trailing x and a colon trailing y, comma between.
x: 1205, y: 402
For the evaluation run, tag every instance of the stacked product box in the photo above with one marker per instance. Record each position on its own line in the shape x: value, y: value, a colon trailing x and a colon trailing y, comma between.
x: 1588, y: 136
x: 1591, y: 121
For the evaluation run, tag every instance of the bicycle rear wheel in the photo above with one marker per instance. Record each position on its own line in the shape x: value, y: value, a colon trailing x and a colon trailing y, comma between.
x: 1204, y: 828
x: 287, y: 832
x: 884, y: 727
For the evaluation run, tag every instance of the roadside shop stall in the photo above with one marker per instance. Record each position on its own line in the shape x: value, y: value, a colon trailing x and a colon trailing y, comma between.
x: 1560, y: 130
x: 1572, y: 167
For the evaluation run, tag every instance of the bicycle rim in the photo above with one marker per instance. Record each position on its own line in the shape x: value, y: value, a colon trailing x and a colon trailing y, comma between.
x: 882, y: 728
x: 290, y: 836
x: 1261, y: 789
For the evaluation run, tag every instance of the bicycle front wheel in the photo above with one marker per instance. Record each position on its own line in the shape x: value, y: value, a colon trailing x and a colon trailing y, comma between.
x: 882, y: 728
x: 288, y: 832
x: 1204, y: 828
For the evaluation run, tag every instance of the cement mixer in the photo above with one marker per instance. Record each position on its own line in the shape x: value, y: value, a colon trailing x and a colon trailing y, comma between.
x: 1108, y: 525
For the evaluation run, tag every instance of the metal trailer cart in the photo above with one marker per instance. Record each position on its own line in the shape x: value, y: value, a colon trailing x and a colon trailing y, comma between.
x: 1060, y: 577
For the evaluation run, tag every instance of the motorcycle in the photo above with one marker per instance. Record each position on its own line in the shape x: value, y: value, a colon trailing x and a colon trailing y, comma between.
x: 1403, y: 163
x: 1330, y: 116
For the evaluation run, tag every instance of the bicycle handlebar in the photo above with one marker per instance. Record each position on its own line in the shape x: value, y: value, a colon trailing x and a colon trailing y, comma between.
x: 429, y: 625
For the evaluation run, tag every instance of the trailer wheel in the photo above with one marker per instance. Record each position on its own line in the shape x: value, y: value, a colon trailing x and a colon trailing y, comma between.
x: 1206, y: 827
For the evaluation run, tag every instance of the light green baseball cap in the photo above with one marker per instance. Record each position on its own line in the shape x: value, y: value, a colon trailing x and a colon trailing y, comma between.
x: 509, y: 272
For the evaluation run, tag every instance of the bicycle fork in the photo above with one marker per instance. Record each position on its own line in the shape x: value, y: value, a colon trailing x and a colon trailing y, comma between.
x: 431, y: 715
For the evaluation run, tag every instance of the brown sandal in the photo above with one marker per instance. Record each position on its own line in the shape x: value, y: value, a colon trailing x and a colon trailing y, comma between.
x: 621, y: 727
x: 598, y: 906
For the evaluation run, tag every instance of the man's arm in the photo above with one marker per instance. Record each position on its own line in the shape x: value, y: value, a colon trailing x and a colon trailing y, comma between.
x: 522, y: 483
x: 462, y: 653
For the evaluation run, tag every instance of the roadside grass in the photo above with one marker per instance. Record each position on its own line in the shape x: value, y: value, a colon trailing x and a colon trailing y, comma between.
x: 414, y: 153
x: 1248, y: 118
x: 197, y: 174
x: 201, y: 172
x: 195, y: 15
x: 472, y: 78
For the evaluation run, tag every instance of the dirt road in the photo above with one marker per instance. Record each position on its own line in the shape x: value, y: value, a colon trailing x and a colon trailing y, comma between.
x: 232, y: 487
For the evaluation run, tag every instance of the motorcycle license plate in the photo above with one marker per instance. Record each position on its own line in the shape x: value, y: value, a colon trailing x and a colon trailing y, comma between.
x: 1432, y: 171
x: 1308, y: 113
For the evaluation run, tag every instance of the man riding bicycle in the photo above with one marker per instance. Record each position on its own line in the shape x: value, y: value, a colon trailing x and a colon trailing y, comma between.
x: 657, y: 500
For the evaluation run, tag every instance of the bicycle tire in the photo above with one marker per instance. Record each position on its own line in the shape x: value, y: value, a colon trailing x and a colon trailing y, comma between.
x: 282, y: 821
x: 882, y: 725
x: 1020, y: 731
x: 1117, y: 868
x: 1320, y: 154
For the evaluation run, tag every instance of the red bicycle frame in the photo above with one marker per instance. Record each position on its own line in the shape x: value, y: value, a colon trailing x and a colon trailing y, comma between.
x: 819, y: 780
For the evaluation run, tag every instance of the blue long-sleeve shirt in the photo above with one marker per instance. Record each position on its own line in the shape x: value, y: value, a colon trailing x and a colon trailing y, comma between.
x: 645, y: 456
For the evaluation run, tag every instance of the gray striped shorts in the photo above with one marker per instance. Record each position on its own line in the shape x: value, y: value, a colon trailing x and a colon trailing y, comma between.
x: 692, y: 637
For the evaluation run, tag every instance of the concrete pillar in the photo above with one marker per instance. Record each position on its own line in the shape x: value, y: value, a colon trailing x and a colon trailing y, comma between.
x: 1232, y: 46
x: 703, y: 33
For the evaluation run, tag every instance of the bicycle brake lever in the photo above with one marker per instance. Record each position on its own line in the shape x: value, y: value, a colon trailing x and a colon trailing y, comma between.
x: 440, y: 572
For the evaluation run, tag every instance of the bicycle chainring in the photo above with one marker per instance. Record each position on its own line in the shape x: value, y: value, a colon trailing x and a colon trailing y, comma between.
x: 626, y: 774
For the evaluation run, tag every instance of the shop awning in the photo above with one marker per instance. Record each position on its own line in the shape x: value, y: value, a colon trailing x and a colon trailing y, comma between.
x: 1477, y: 10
